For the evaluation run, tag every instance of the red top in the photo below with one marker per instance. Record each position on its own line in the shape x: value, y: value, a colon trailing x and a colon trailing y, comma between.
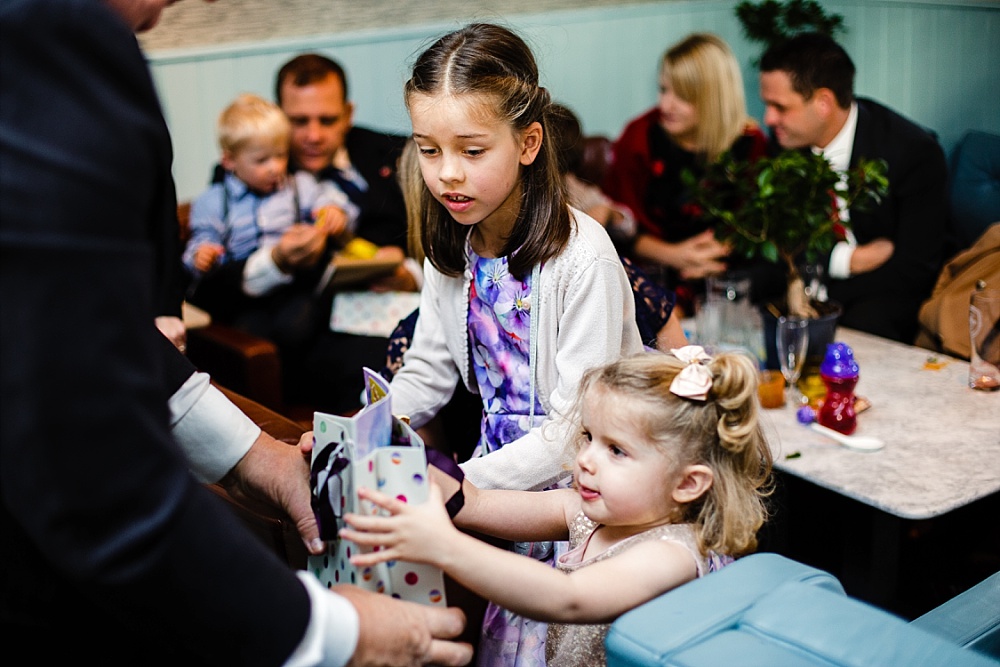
x: 645, y: 175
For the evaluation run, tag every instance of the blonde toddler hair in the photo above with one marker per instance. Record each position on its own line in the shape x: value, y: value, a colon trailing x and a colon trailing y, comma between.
x: 704, y: 72
x: 722, y: 432
x: 252, y: 119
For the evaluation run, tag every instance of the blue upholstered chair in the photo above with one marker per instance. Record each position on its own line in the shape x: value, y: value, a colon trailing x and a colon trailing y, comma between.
x: 768, y: 610
x: 974, y: 186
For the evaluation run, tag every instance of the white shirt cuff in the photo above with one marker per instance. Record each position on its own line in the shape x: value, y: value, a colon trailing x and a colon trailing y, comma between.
x: 261, y: 274
x: 840, y: 260
x: 332, y: 633
x: 413, y: 266
x: 211, y: 430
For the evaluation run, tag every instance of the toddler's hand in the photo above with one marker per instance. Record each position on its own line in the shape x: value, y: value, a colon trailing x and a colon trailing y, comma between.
x: 417, y: 533
x: 206, y: 255
x: 332, y: 220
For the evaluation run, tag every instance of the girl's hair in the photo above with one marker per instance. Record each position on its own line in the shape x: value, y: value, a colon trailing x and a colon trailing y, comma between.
x: 252, y: 119
x: 494, y: 64
x: 722, y: 432
x: 704, y: 72
x: 411, y: 183
x: 567, y: 133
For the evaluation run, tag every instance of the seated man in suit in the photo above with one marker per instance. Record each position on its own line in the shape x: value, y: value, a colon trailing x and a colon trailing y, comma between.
x: 312, y: 91
x: 882, y: 275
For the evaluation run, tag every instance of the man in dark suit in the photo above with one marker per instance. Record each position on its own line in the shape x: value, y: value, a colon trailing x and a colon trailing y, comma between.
x: 112, y: 551
x: 883, y: 274
x: 312, y: 91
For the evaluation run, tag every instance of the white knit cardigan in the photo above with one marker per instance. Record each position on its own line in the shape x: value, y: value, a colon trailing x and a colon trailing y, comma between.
x: 586, y: 318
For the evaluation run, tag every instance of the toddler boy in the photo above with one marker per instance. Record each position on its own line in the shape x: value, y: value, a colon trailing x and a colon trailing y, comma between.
x: 245, y: 218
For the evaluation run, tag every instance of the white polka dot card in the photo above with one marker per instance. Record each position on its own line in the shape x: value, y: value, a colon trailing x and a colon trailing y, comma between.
x: 375, y: 450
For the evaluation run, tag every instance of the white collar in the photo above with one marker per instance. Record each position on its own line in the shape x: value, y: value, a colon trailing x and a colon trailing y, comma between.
x: 838, y: 151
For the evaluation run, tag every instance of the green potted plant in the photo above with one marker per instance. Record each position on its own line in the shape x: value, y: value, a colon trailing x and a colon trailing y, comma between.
x: 770, y: 21
x: 784, y: 209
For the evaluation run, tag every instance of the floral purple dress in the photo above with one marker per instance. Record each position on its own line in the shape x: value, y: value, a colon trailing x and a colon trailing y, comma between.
x: 499, y: 331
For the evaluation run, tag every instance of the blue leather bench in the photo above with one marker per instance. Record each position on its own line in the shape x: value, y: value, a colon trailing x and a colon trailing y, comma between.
x: 974, y: 186
x: 768, y: 610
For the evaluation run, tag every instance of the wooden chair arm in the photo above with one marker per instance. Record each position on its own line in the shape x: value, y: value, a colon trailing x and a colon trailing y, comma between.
x: 268, y: 522
x: 242, y: 362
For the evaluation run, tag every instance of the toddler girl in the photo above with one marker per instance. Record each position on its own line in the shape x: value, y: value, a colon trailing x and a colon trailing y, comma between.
x: 670, y: 475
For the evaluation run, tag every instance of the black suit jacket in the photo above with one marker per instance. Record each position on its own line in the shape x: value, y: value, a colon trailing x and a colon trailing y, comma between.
x: 913, y: 216
x: 383, y: 212
x: 108, y: 544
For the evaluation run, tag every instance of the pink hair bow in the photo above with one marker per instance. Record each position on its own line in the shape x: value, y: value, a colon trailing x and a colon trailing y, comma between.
x: 695, y: 379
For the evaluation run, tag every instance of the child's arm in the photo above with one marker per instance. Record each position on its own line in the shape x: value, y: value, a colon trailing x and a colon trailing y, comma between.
x: 511, y: 515
x: 522, y: 516
x: 595, y: 594
x: 206, y: 255
x: 207, y: 231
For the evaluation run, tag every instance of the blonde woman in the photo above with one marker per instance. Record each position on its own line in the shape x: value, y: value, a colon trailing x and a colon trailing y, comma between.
x: 701, y: 113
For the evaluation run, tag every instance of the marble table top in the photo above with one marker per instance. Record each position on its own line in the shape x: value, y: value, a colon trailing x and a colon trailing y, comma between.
x: 942, y: 438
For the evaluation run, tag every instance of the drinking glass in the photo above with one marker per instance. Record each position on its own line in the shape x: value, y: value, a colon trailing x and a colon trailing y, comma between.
x: 792, y: 342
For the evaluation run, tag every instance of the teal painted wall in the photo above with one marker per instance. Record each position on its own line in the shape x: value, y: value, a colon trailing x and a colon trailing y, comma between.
x: 934, y: 61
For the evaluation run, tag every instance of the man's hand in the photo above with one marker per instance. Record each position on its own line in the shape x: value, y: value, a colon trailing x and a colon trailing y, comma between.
x: 279, y: 473
x: 300, y: 247
x: 871, y: 255
x: 175, y: 331
x: 306, y: 444
x: 400, y: 281
x: 404, y: 634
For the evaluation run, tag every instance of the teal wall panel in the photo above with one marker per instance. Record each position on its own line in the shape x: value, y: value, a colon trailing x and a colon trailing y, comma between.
x: 934, y: 61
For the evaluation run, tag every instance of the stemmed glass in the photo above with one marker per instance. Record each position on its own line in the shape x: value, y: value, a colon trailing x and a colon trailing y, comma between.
x: 792, y: 342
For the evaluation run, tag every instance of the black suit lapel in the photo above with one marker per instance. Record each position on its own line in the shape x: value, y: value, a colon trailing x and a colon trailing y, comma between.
x: 864, y: 137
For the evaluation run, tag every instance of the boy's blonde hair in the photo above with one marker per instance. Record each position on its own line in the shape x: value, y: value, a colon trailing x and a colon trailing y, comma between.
x: 722, y: 432
x: 251, y: 118
x: 704, y: 72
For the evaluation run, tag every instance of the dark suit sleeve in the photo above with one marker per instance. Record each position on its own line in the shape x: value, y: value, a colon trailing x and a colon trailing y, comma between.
x: 101, y: 520
x: 383, y: 212
x: 913, y: 216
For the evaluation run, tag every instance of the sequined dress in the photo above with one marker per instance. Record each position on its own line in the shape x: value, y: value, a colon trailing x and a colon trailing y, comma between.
x: 583, y: 645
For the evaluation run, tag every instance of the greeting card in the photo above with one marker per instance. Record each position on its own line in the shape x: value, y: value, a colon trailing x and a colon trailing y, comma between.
x: 375, y: 450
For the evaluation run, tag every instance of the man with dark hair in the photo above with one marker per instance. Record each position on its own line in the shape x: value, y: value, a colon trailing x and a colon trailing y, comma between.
x: 882, y: 274
x: 312, y: 91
